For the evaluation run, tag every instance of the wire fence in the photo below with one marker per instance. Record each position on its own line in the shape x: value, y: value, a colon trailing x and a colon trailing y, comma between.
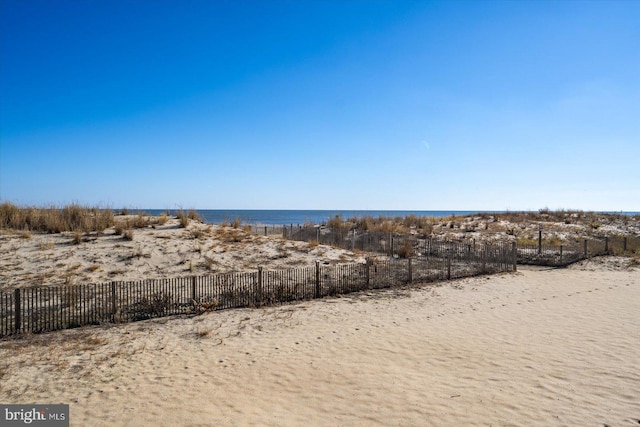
x: 42, y: 309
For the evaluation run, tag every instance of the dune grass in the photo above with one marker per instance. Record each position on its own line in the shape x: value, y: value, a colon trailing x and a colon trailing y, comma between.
x: 55, y: 219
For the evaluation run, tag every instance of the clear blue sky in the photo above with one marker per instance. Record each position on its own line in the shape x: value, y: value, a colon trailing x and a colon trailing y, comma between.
x: 331, y: 104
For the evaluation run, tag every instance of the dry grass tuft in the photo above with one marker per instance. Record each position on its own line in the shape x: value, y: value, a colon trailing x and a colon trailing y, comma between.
x: 25, y: 235
x: 77, y: 238
x: 183, y: 218
x: 198, y: 233
x: 193, y: 215
x: 128, y: 234
x: 231, y: 235
x: 48, y: 245
x: 209, y: 263
x: 202, y: 333
x: 406, y: 250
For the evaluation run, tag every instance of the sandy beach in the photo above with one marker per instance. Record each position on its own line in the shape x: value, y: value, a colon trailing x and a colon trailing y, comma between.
x: 536, y: 347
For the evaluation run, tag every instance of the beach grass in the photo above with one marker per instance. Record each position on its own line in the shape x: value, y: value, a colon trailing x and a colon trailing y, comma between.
x: 55, y: 219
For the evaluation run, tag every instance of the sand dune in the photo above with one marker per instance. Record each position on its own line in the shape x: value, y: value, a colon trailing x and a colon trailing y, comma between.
x: 37, y: 259
x: 538, y: 347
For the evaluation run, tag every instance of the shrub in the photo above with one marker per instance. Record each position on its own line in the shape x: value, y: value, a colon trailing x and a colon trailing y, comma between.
x: 192, y: 214
x: 405, y: 250
x: 128, y: 234
x: 156, y: 305
x: 183, y: 218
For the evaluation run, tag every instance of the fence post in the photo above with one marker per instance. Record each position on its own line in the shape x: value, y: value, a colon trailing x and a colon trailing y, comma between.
x: 448, y: 264
x: 561, y: 254
x: 539, y: 241
x: 265, y: 230
x: 410, y: 272
x: 318, y: 234
x: 193, y: 288
x: 514, y: 254
x: 113, y: 301
x: 484, y: 257
x: 367, y: 272
x: 585, y: 248
x: 606, y: 244
x: 258, y: 293
x: 317, y: 279
x: 18, y: 311
x: 624, y: 244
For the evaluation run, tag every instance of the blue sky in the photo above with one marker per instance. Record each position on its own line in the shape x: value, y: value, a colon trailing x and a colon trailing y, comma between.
x: 477, y: 105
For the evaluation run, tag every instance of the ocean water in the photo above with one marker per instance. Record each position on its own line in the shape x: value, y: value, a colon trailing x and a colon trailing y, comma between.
x: 282, y: 217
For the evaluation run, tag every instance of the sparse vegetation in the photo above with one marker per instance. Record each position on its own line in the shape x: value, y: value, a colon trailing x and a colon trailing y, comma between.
x: 48, y: 245
x: 183, y: 218
x: 128, y: 234
x: 93, y: 268
x: 25, y: 235
x: 209, y: 263
x: 406, y: 250
x: 202, y: 333
x: 231, y: 235
x: 198, y: 233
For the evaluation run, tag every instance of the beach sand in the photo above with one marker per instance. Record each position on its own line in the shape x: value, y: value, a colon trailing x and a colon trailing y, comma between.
x: 536, y: 347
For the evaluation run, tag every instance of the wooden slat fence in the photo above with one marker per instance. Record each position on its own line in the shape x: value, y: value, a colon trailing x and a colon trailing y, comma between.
x: 42, y: 309
x: 567, y: 253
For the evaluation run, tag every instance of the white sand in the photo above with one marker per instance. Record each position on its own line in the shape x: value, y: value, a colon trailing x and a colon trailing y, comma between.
x: 164, y: 251
x: 539, y: 347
